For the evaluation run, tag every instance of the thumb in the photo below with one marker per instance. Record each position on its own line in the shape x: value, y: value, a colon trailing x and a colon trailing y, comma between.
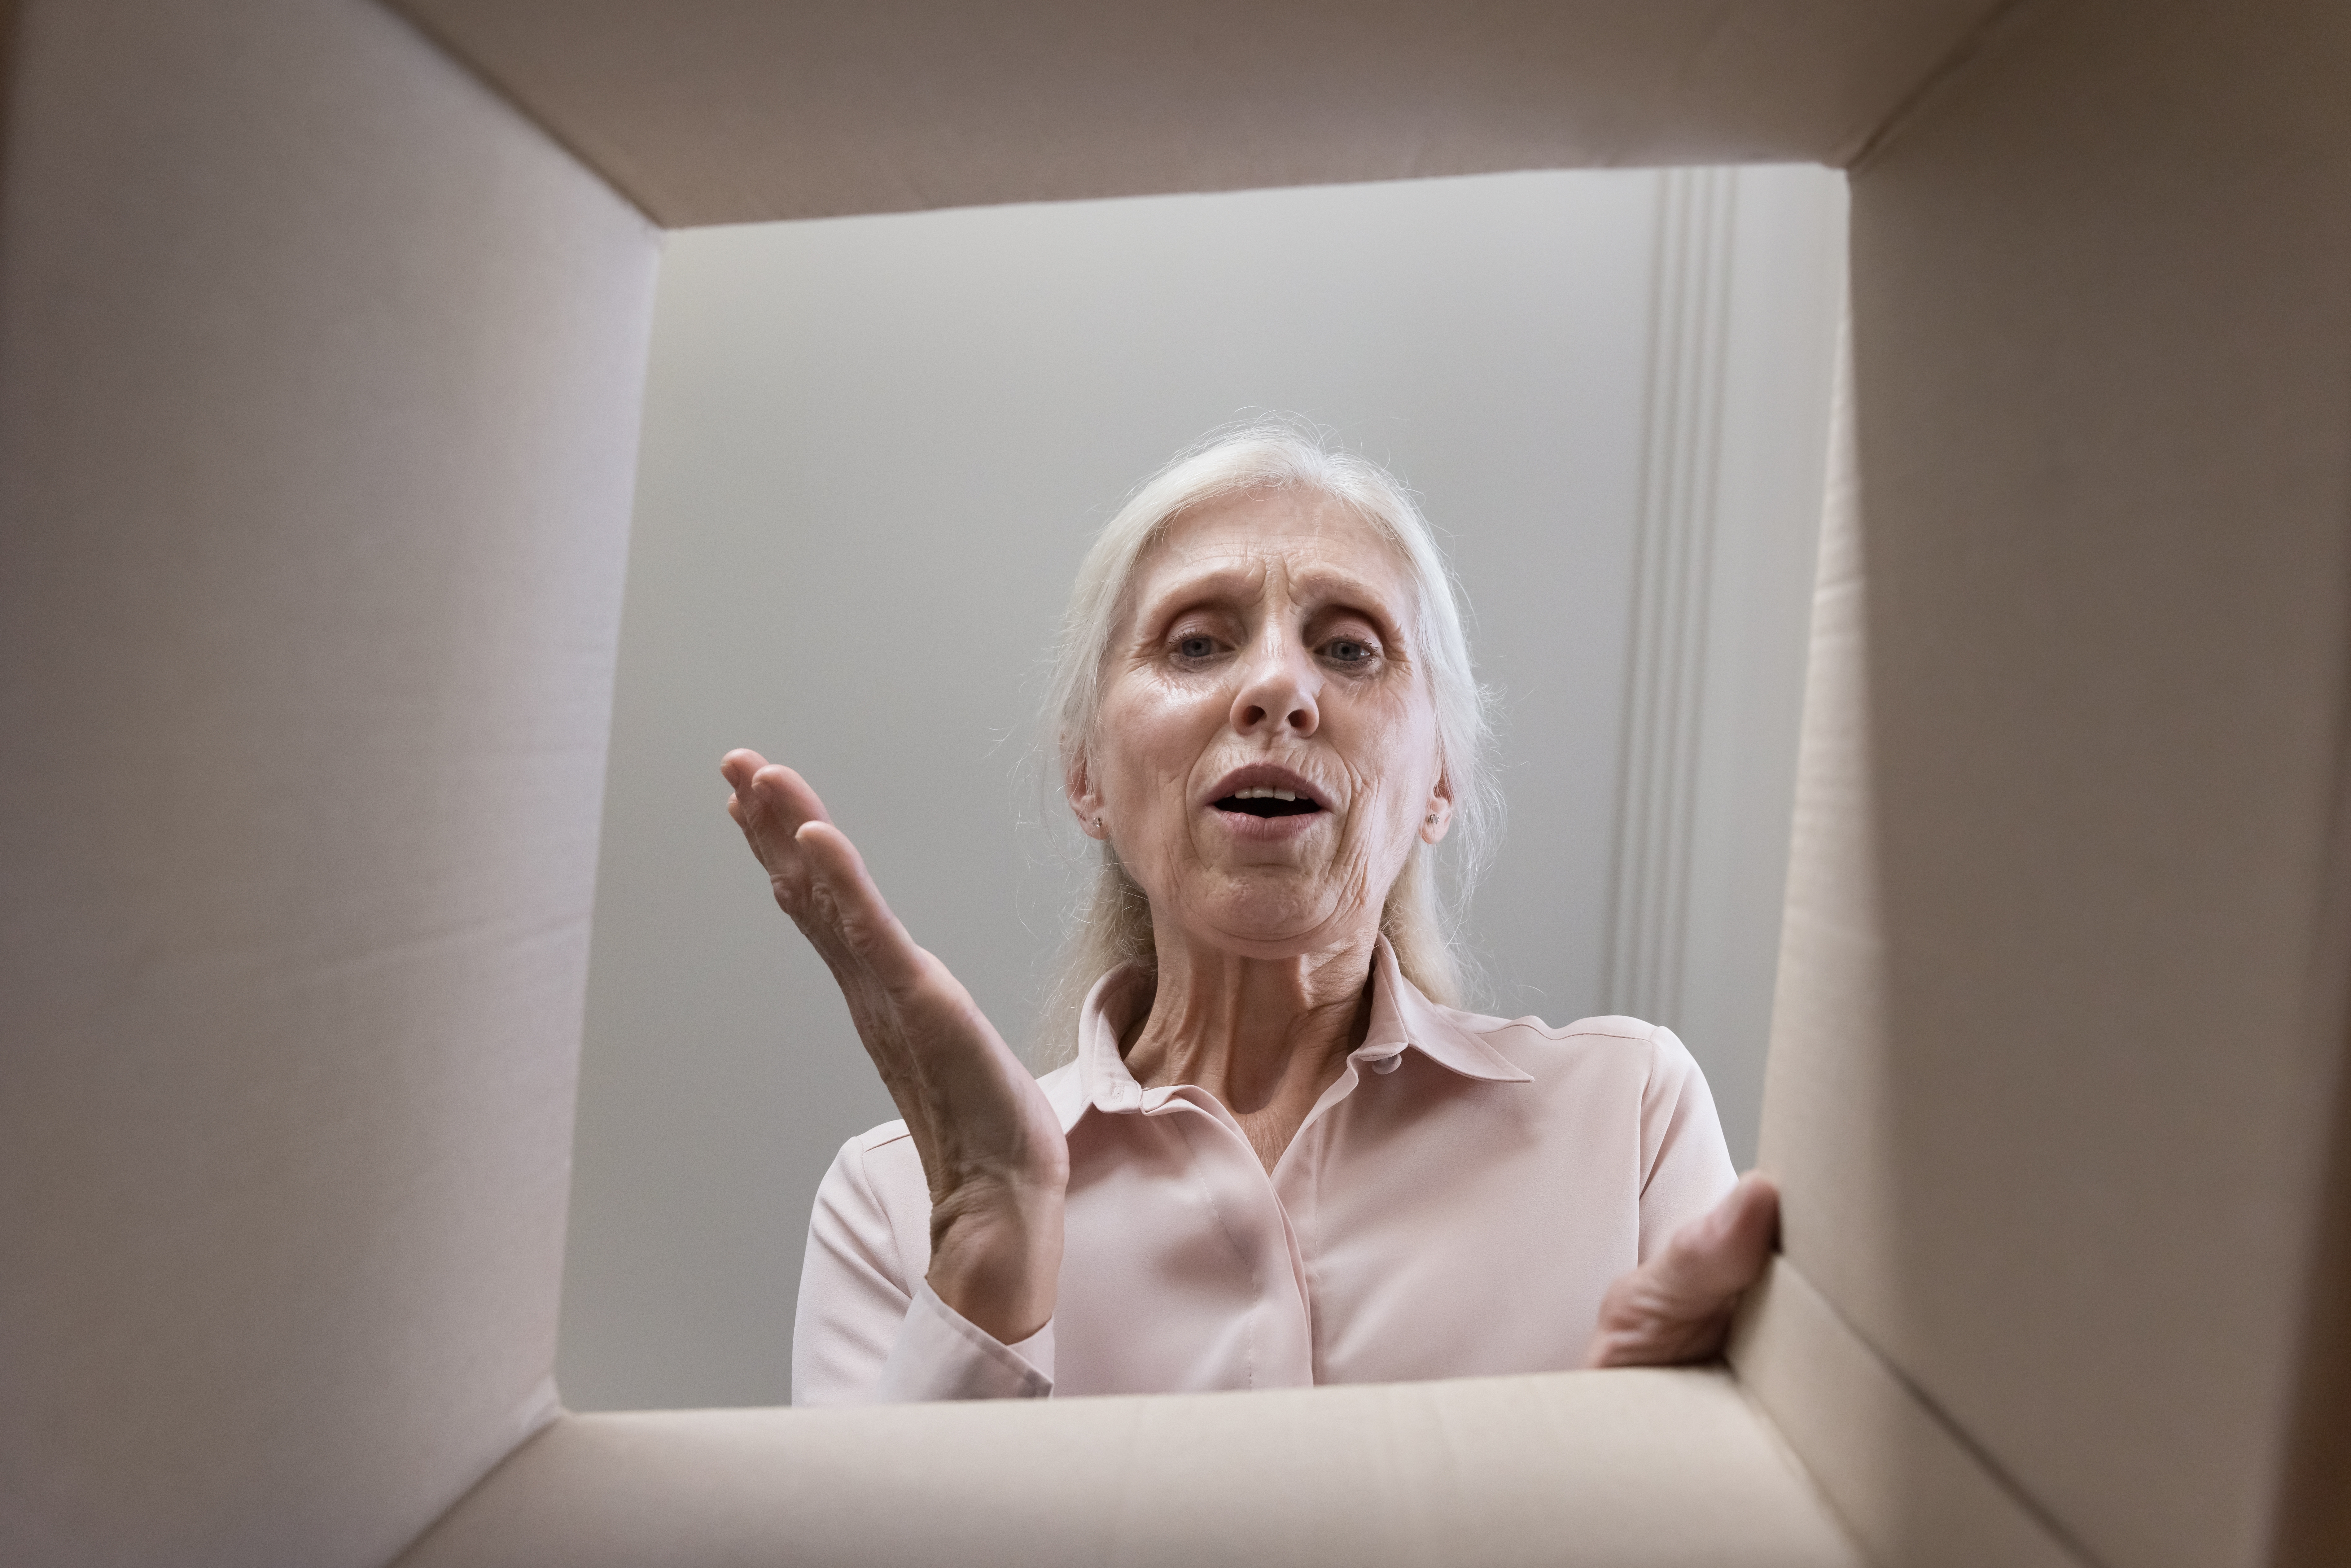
x: 1719, y: 1254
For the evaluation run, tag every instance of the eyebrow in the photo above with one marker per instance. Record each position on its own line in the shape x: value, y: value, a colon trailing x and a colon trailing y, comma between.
x: 1319, y: 586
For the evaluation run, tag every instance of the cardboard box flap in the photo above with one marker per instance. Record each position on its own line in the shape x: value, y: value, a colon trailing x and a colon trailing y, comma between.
x: 709, y: 112
x: 1655, y: 1467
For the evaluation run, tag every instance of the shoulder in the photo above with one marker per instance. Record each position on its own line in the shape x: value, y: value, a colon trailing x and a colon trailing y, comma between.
x: 1645, y: 1070
x: 1628, y: 1056
x: 873, y: 1171
x: 876, y: 1138
x: 1532, y: 1043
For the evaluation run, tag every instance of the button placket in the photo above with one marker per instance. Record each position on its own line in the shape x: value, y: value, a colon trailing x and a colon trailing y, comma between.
x: 1258, y: 1223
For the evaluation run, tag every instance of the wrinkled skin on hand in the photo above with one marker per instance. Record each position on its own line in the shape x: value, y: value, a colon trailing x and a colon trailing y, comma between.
x: 991, y: 1146
x: 1677, y: 1306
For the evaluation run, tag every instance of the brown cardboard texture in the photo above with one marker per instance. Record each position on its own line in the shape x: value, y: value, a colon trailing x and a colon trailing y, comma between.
x: 706, y: 112
x: 2060, y: 1015
x: 1663, y: 1467
x: 321, y: 344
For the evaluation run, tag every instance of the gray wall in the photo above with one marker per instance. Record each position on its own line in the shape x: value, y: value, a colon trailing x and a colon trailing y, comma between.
x: 873, y: 451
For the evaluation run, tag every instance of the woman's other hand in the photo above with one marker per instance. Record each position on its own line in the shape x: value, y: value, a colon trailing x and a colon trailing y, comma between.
x: 991, y: 1146
x: 1677, y: 1306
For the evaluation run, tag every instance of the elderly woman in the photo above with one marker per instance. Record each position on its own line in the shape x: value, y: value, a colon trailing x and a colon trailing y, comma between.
x: 1280, y: 1155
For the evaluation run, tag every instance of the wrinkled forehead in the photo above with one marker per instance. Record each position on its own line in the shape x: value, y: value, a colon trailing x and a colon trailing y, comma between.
x: 1300, y: 542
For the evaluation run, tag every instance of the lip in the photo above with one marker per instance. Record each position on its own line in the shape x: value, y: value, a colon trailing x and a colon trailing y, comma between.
x: 1257, y: 829
x: 1268, y: 776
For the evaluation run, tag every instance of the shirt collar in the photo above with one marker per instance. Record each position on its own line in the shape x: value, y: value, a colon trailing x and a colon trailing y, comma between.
x: 1101, y: 1079
x: 1402, y: 1019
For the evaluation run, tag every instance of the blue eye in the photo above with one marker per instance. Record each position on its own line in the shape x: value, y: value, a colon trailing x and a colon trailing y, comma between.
x: 1196, y: 647
x: 1348, y: 652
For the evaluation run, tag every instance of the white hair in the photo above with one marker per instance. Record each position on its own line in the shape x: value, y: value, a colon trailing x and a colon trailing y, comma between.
x: 1421, y: 920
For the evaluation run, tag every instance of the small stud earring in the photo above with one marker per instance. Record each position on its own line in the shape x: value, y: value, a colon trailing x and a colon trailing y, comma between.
x: 1432, y: 816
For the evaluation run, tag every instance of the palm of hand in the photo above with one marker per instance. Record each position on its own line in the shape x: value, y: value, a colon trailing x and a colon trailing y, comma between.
x: 991, y: 1147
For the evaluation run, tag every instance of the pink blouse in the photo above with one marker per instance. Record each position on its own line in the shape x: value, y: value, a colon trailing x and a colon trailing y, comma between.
x: 1454, y: 1204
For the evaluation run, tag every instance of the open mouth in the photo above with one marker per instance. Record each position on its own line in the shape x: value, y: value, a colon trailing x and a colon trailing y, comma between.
x: 1266, y: 801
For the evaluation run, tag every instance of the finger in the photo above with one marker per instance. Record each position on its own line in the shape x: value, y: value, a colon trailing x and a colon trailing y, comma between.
x: 1719, y: 1254
x: 854, y: 908
x: 1677, y: 1306
x: 769, y: 804
x: 787, y: 799
x: 738, y: 766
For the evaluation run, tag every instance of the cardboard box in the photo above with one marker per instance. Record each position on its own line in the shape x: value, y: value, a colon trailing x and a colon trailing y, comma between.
x: 321, y: 339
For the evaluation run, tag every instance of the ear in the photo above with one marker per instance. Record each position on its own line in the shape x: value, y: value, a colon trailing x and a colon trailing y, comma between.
x: 1078, y: 785
x: 1436, y: 817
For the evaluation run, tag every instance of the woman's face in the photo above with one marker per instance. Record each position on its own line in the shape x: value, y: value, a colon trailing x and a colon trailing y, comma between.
x: 1266, y: 648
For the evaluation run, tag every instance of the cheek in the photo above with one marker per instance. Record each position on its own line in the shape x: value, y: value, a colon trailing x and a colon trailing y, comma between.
x: 1155, y: 735
x: 1395, y: 753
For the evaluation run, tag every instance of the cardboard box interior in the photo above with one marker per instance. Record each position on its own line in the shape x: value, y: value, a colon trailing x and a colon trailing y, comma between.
x: 319, y: 363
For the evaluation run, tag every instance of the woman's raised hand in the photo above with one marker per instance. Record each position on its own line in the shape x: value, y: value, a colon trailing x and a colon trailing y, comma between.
x: 991, y: 1146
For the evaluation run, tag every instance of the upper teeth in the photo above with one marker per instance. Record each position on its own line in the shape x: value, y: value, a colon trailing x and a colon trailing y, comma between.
x: 1264, y: 792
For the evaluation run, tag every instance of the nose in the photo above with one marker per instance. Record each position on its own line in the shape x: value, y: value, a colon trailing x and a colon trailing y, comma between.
x: 1278, y: 688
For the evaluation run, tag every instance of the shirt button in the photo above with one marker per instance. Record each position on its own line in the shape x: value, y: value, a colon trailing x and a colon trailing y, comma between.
x: 1384, y: 1064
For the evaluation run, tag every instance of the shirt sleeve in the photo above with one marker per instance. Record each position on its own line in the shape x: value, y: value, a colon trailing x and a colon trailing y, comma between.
x: 1685, y: 1164
x: 942, y: 1354
x: 868, y: 1329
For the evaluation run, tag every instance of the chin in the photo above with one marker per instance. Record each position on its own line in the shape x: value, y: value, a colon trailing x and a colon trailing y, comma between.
x: 1269, y: 923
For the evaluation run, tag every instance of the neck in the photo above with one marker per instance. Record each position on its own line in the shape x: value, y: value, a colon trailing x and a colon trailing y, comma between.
x: 1265, y: 1036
